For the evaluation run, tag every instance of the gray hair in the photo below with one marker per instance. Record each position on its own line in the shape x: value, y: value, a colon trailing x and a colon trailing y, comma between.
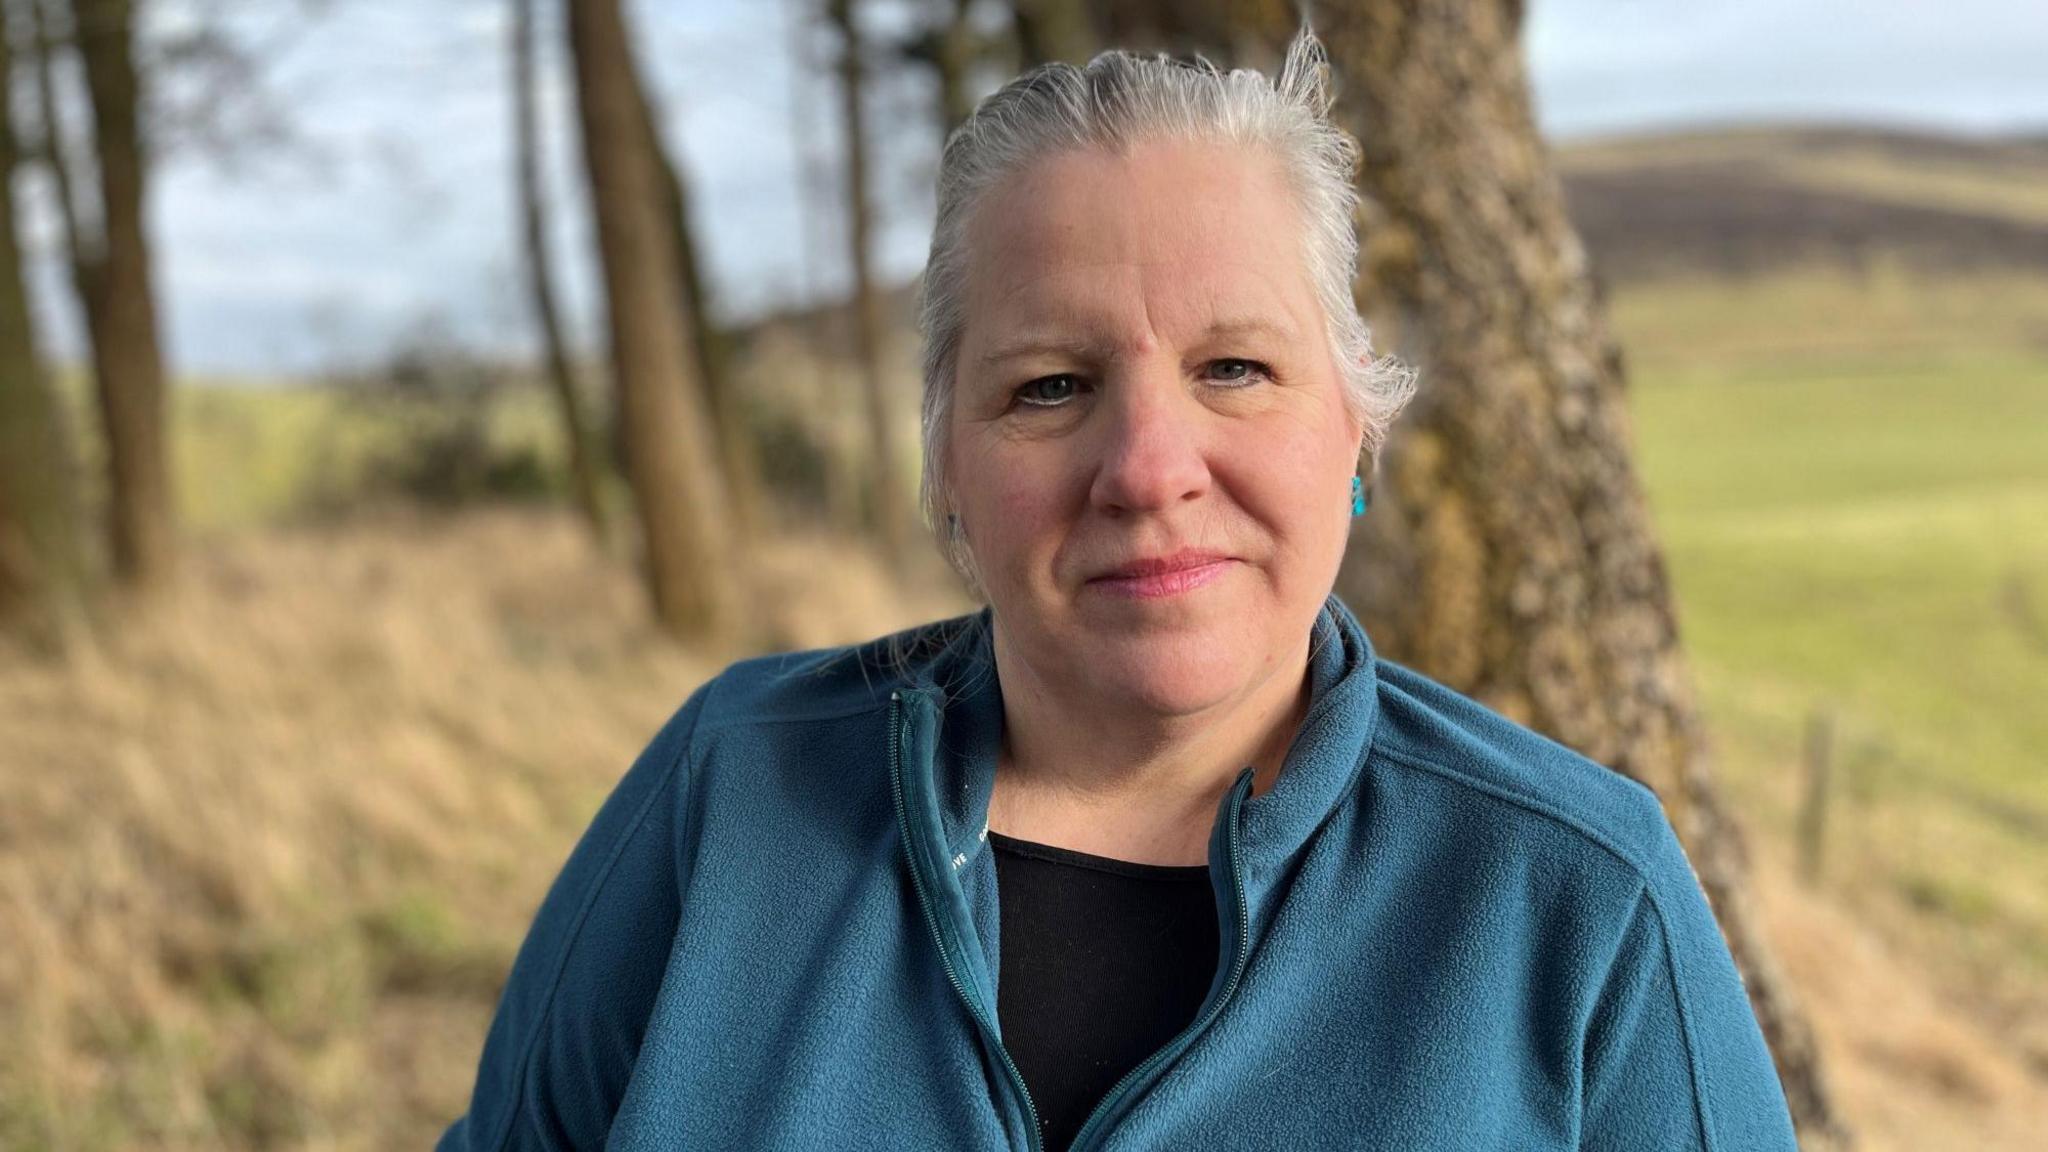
x: 1117, y: 100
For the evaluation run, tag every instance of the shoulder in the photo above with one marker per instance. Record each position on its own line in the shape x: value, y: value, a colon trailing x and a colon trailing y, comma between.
x: 1501, y: 772
x: 820, y: 684
x: 1665, y: 1001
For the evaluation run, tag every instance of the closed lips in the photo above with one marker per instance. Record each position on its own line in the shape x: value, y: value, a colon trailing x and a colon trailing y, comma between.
x: 1163, y: 565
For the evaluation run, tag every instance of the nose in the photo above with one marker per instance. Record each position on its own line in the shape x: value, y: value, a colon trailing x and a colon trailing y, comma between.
x: 1151, y: 455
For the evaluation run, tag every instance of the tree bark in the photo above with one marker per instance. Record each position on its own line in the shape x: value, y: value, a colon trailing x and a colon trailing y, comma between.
x: 888, y: 509
x: 42, y: 565
x: 736, y: 452
x: 1510, y: 552
x: 670, y: 450
x: 121, y: 310
x: 582, y: 455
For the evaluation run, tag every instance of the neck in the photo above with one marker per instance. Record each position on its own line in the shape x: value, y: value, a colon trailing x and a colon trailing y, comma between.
x: 1101, y: 776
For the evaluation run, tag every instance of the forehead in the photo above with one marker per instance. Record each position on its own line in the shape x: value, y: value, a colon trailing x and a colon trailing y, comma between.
x: 1185, y: 232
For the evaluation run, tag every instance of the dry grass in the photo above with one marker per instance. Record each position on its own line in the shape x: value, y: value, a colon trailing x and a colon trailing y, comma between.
x: 264, y: 857
x: 1910, y: 1071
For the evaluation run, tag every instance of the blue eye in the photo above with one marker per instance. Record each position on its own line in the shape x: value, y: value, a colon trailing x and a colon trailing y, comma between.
x: 1047, y: 391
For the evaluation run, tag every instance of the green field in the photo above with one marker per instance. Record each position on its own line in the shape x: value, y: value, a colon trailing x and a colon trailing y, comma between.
x: 1850, y: 478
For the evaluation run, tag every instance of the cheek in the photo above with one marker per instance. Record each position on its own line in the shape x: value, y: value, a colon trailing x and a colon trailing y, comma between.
x: 1015, y: 501
x: 1296, y: 480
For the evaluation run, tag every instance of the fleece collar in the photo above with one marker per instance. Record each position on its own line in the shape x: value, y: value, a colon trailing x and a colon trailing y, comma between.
x: 959, y: 701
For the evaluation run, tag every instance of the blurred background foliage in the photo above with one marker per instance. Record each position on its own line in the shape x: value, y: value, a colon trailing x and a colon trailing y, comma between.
x: 285, y: 769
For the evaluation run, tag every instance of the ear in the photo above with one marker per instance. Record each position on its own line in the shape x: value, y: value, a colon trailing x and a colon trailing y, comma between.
x: 1354, y: 423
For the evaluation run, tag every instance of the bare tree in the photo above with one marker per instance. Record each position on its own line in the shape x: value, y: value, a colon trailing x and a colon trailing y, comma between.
x: 583, y: 458
x: 109, y: 253
x: 671, y: 459
x: 888, y: 509
x: 42, y: 565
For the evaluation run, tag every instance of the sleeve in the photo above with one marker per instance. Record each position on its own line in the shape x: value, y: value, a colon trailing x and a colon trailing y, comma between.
x: 1674, y: 1058
x: 571, y: 1018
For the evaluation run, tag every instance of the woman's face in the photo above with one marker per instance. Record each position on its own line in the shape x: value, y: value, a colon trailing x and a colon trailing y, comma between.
x: 1150, y: 453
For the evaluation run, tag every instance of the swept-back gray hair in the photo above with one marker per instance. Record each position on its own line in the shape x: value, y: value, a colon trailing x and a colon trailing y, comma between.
x: 1117, y: 100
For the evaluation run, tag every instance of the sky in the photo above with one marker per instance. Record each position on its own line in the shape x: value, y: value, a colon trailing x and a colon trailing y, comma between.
x: 387, y: 212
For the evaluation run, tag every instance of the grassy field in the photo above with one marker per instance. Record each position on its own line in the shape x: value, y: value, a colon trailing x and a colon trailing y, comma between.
x: 1851, y: 482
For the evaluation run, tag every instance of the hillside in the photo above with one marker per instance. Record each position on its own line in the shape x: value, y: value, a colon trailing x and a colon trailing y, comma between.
x: 1728, y: 202
x: 1750, y: 201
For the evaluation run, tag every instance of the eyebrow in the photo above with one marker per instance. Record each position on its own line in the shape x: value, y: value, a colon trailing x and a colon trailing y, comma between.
x: 1249, y: 326
x: 1034, y: 343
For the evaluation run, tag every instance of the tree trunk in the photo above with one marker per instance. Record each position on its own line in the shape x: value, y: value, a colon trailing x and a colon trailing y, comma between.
x: 670, y: 450
x: 121, y: 311
x: 582, y: 455
x: 829, y: 414
x: 1049, y: 30
x: 1511, y: 553
x: 741, y: 463
x: 42, y: 566
x: 888, y: 510
x: 954, y: 50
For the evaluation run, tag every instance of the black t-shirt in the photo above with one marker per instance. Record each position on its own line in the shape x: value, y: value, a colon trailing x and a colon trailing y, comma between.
x: 1103, y: 962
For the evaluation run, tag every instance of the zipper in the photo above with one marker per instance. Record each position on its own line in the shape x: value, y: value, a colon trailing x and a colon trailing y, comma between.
x: 1112, y: 1101
x: 931, y: 920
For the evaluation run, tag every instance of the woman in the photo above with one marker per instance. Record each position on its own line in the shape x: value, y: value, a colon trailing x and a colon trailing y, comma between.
x: 1152, y: 852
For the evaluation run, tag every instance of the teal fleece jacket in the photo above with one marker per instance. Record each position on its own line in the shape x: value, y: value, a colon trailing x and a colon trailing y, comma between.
x: 1439, y: 930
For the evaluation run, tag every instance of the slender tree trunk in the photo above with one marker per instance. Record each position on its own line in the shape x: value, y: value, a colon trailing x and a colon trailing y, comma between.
x: 736, y: 452
x: 582, y: 454
x: 953, y: 54
x: 129, y: 361
x: 830, y: 417
x: 42, y: 566
x: 671, y: 458
x: 42, y: 14
x: 1511, y: 553
x: 888, y: 509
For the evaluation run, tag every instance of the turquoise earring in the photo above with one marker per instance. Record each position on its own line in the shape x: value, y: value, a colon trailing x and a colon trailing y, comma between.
x: 1361, y: 497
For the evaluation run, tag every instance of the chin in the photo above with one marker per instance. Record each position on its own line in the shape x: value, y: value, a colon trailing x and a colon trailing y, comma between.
x: 1171, y: 673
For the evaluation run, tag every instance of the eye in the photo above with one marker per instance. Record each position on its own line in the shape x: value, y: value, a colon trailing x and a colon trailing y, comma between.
x: 1048, y: 391
x: 1235, y: 371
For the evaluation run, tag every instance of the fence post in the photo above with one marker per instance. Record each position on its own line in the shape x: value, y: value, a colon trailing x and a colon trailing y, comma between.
x: 1813, y: 812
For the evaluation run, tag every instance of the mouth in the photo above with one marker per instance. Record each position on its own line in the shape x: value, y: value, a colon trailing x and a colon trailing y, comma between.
x: 1156, y: 577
